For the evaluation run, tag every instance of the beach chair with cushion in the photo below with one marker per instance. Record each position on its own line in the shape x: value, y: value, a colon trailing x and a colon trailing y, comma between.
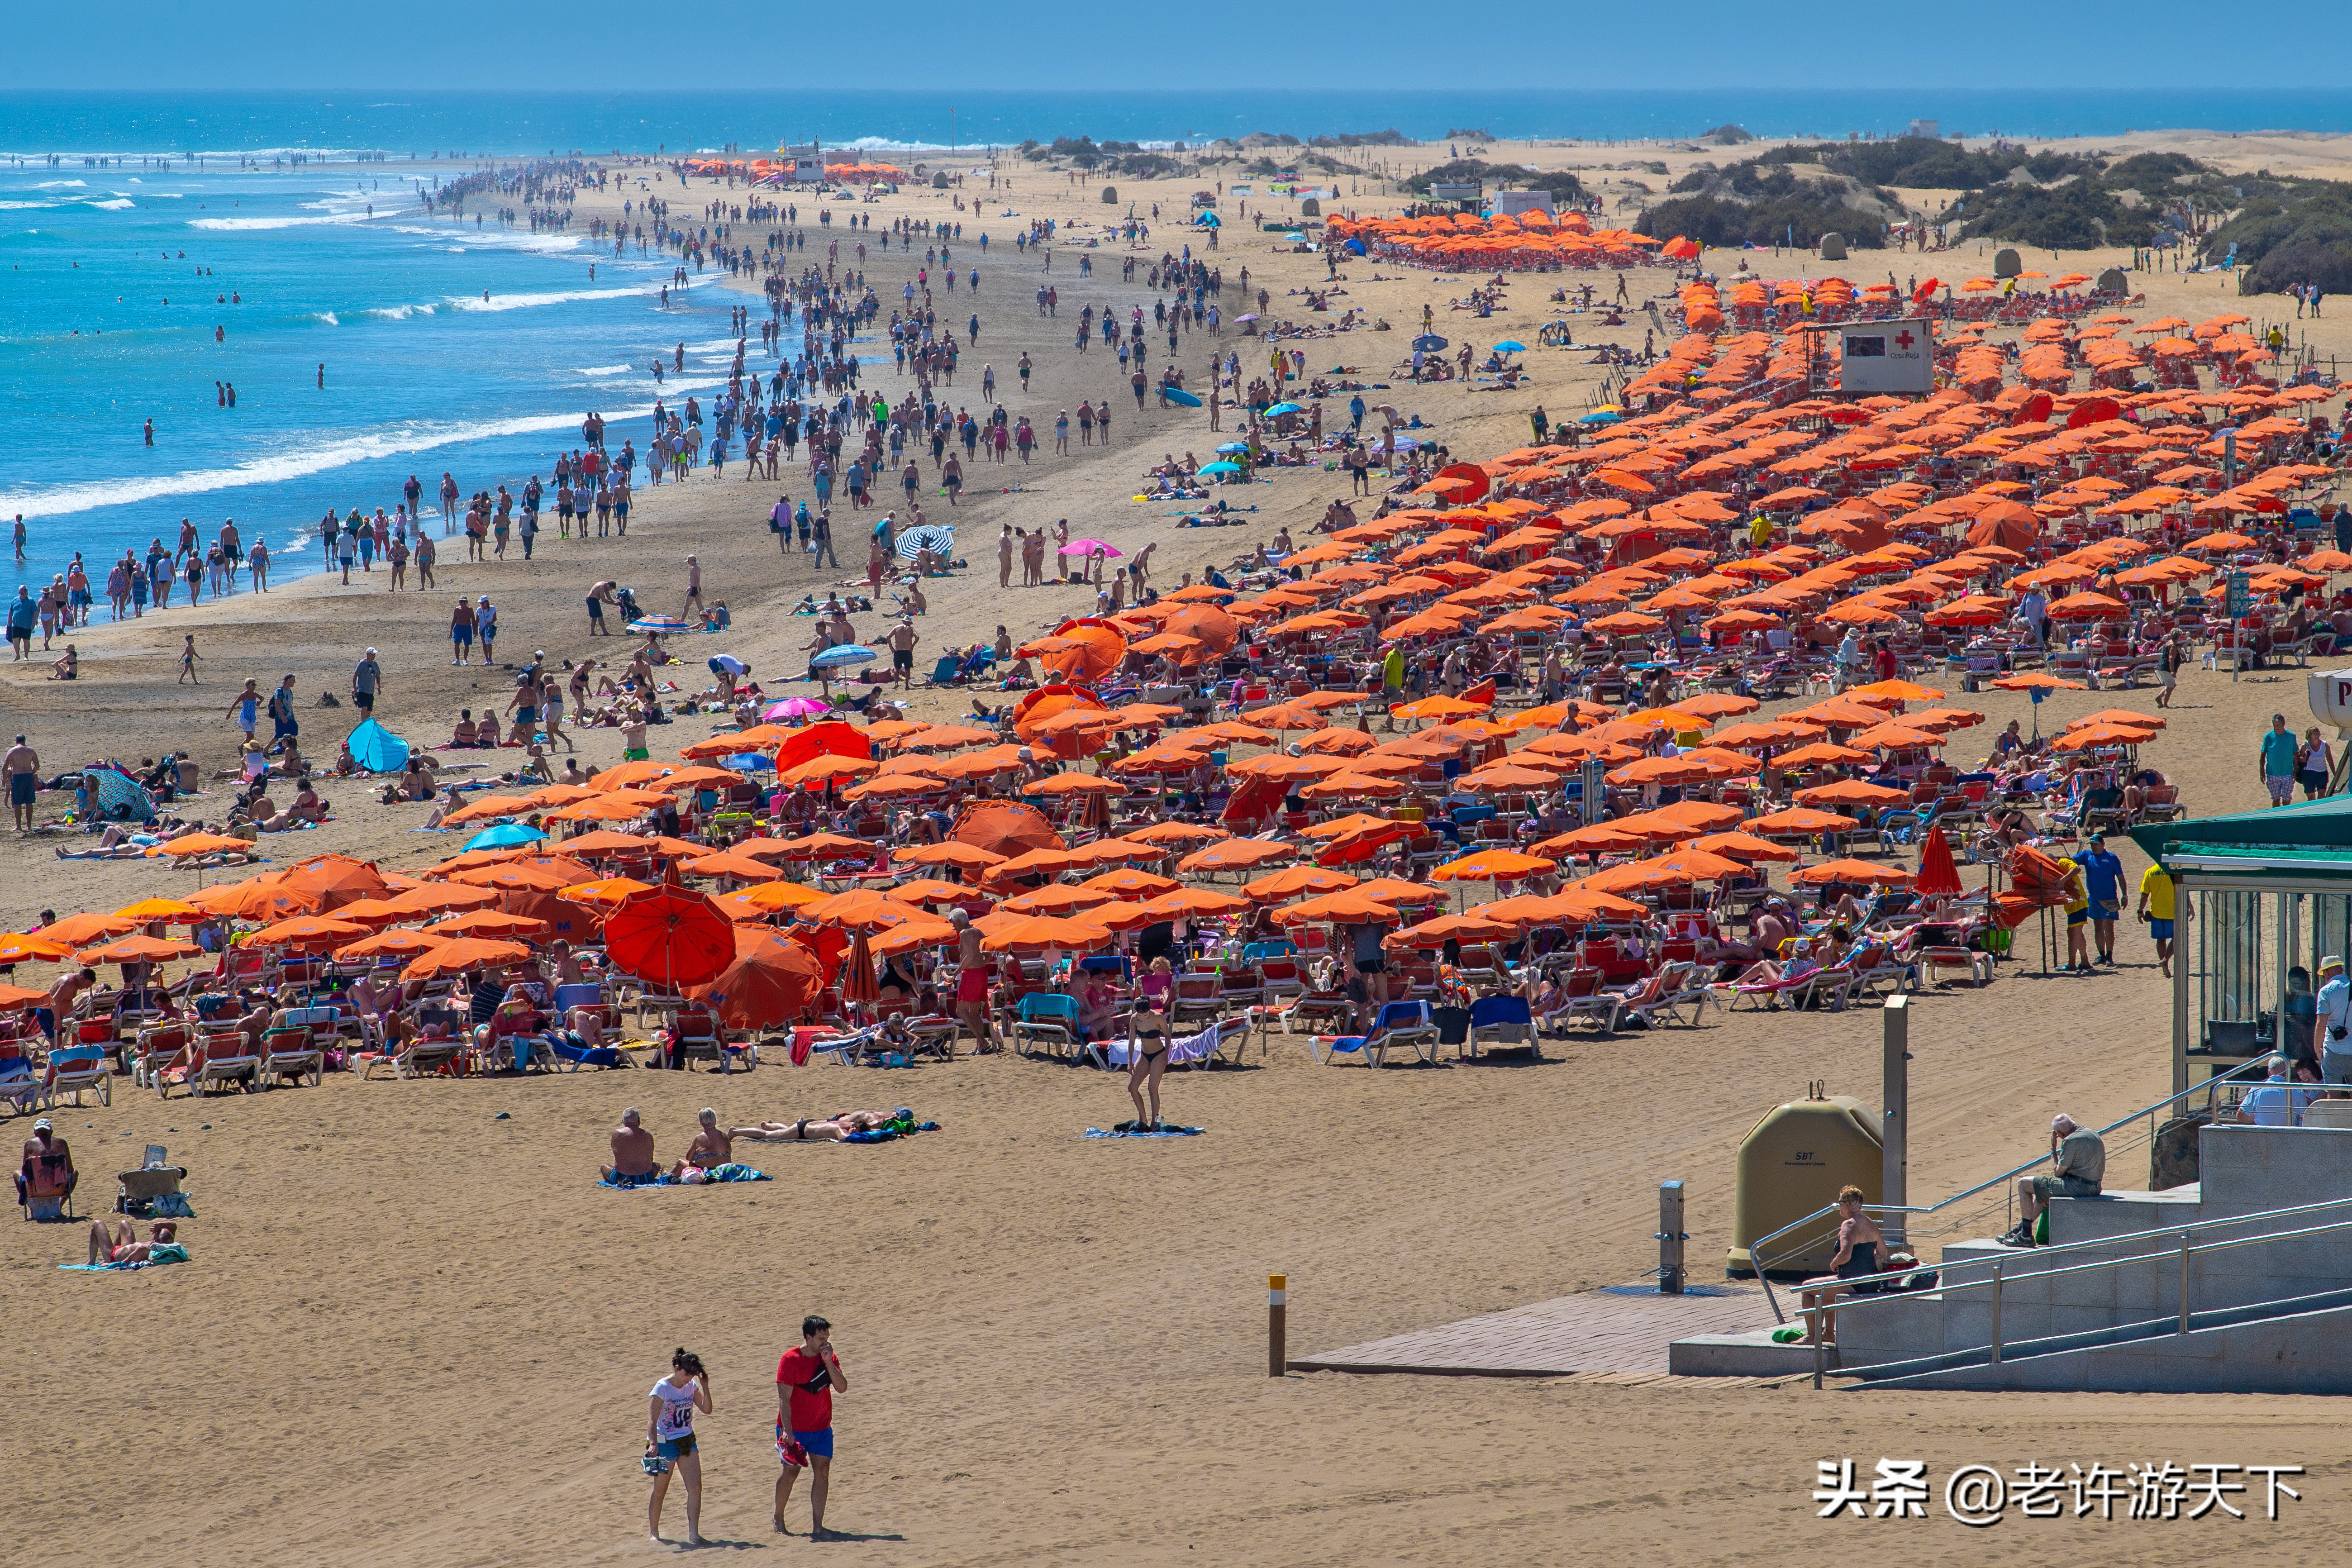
x: 1048, y: 1018
x: 154, y: 1179
x: 936, y: 1033
x: 1311, y: 1007
x: 1504, y: 1023
x: 20, y: 1086
x: 418, y: 1058
x: 222, y: 1057
x: 157, y: 1044
x: 289, y: 1052
x: 73, y: 1069
x: 695, y: 1035
x: 1668, y: 994
x: 1401, y: 1025
x: 1198, y: 999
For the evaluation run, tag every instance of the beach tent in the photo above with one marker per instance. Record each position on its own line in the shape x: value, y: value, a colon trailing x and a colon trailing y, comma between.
x: 378, y: 749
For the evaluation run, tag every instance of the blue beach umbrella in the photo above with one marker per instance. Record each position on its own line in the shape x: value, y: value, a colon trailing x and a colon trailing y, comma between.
x: 659, y: 623
x: 847, y: 653
x: 1599, y: 416
x: 1429, y: 343
x: 1511, y: 346
x: 1235, y: 447
x: 506, y: 836
x: 1286, y: 408
x: 1221, y: 467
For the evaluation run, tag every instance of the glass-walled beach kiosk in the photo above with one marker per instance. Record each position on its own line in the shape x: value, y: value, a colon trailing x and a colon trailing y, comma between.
x: 2261, y: 898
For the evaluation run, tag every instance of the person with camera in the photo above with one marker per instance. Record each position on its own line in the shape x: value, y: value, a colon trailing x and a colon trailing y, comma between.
x: 806, y: 1381
x: 669, y: 1440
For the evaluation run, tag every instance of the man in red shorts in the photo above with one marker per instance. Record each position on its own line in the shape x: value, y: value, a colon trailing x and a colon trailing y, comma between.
x: 971, y: 983
x: 806, y: 1380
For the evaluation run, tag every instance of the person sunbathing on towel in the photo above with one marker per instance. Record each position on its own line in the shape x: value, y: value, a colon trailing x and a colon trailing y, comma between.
x: 123, y: 1245
x: 633, y: 1154
x: 710, y: 1147
x: 812, y: 1130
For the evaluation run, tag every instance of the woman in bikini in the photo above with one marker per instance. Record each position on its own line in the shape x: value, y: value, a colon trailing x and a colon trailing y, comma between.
x: 1149, y: 1037
x: 814, y: 1129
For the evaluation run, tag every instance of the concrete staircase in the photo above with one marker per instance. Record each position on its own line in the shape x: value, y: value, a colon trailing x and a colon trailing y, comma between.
x: 2270, y: 1317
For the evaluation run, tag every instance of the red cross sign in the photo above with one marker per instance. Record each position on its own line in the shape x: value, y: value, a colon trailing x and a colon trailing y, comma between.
x: 1903, y: 339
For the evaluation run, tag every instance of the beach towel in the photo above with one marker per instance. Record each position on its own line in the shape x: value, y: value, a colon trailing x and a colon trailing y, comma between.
x: 1192, y: 1049
x: 656, y: 1179
x: 883, y: 1134
x: 1127, y: 1130
x: 170, y: 1252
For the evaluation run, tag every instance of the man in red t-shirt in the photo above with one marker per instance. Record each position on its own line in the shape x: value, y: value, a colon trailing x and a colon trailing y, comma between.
x: 806, y: 1381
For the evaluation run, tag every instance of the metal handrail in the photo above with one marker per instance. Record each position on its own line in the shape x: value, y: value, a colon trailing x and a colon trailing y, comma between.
x: 1755, y: 1250
x: 1998, y: 1277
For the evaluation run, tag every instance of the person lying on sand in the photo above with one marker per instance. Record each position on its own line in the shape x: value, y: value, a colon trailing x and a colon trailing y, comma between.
x: 633, y: 1154
x: 812, y: 1130
x: 123, y: 1245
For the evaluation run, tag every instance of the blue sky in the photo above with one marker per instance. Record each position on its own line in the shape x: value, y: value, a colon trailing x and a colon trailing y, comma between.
x: 605, y: 44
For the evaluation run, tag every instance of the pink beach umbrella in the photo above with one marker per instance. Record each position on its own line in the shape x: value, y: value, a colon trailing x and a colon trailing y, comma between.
x: 796, y: 707
x: 1093, y: 547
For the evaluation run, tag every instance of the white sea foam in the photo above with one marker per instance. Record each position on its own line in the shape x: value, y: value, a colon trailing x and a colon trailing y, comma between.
x: 116, y: 205
x: 242, y: 224
x: 26, y: 207
x: 329, y: 316
x: 291, y: 463
x: 497, y: 301
x: 61, y: 185
x: 606, y: 370
x: 402, y: 312
x: 488, y: 238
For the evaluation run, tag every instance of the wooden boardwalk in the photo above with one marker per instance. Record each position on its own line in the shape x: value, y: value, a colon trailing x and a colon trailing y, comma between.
x: 1617, y: 1333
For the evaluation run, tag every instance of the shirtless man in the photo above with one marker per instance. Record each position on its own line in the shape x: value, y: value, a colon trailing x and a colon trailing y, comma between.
x: 710, y: 1147
x: 832, y: 1129
x: 902, y: 639
x: 972, y: 983
x: 633, y: 1154
x: 58, y: 1004
x: 113, y: 1246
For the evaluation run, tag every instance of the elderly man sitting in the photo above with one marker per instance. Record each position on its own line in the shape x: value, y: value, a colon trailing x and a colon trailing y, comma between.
x: 2079, y: 1161
x: 633, y: 1154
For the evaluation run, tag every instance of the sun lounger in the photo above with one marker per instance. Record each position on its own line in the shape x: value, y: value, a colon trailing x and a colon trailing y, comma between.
x: 1401, y: 1025
x: 418, y: 1058
x: 1504, y: 1023
x: 221, y: 1059
x: 73, y: 1069
x: 1048, y: 1018
x: 290, y: 1052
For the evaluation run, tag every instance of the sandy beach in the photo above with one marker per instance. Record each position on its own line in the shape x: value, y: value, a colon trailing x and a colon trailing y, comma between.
x: 417, y: 1333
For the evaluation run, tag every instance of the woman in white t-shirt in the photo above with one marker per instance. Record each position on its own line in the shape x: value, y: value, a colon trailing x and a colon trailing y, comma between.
x: 669, y: 1440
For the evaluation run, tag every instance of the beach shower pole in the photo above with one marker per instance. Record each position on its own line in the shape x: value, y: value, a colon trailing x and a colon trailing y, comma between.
x: 1894, y: 1170
x: 1278, y: 1328
x: 1671, y: 1236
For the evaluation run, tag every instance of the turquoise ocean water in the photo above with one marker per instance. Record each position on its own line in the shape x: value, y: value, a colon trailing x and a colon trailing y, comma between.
x: 107, y: 321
